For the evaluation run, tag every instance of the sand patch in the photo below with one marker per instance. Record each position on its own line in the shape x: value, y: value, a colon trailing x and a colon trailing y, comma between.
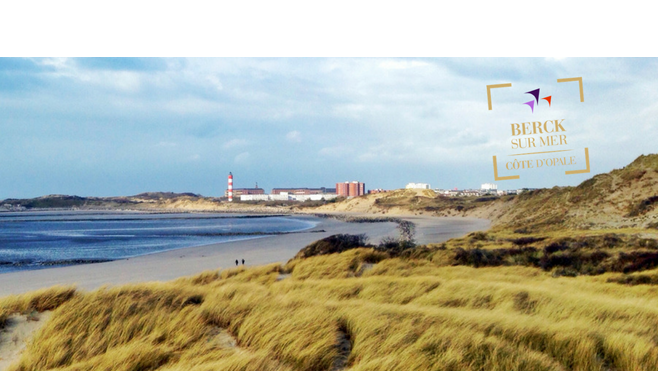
x: 344, y: 349
x: 17, y: 332
x: 221, y: 338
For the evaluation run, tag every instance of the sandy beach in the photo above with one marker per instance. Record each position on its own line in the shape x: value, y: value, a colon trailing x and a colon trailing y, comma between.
x: 172, y: 264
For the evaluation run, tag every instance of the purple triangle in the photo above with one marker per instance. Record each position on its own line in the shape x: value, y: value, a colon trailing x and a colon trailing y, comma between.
x: 535, y: 93
x: 531, y: 104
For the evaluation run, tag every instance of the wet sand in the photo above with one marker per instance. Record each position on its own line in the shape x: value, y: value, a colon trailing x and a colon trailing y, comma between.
x: 172, y: 264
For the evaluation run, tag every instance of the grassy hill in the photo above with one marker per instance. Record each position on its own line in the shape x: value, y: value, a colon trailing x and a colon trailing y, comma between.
x: 149, y: 201
x: 408, y: 201
x: 154, y: 201
x: 622, y: 198
x: 141, y: 200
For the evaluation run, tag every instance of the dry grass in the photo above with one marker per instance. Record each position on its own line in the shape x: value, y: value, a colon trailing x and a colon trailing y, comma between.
x: 566, y: 253
x: 41, y: 300
x: 403, y: 314
x: 626, y: 197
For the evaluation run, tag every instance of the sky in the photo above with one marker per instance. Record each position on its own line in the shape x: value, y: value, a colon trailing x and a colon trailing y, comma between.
x: 122, y: 126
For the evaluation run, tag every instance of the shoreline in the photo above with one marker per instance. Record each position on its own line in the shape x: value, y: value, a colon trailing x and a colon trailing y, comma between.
x: 236, y: 208
x: 212, y: 237
x: 186, y: 261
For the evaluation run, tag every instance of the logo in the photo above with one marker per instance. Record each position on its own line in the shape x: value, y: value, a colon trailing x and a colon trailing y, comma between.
x: 535, y: 93
x: 539, y: 137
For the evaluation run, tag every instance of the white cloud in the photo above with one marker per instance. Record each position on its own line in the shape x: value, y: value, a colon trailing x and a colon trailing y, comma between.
x: 401, y: 64
x: 337, y: 151
x: 469, y: 137
x: 58, y: 63
x: 234, y: 143
x: 294, y: 136
x: 372, y: 114
x: 127, y: 81
x: 241, y: 158
x: 214, y: 81
x: 193, y: 105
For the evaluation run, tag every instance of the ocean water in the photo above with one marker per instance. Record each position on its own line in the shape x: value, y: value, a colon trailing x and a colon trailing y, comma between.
x: 37, y: 240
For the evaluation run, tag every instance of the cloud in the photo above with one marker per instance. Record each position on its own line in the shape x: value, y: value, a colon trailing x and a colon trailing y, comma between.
x: 294, y: 136
x: 374, y: 117
x: 120, y: 73
x: 337, y: 151
x: 401, y: 64
x: 122, y: 64
x: 214, y: 81
x: 57, y: 63
x: 242, y: 158
x: 469, y: 137
x: 234, y: 143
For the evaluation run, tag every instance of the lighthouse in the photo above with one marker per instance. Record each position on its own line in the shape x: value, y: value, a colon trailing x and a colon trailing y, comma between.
x: 230, y: 187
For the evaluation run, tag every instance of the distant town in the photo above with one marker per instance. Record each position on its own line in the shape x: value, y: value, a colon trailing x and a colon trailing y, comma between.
x: 341, y: 190
x: 350, y: 189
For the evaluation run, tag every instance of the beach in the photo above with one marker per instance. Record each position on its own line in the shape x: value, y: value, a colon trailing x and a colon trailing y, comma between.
x: 172, y: 264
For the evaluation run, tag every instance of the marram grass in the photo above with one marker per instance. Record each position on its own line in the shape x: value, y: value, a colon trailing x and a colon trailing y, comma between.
x: 397, y: 315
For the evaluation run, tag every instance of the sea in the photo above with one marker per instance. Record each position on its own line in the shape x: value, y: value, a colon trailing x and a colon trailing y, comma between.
x: 38, y: 240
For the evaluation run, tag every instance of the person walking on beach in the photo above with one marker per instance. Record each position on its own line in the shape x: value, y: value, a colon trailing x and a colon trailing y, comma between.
x: 242, y: 261
x: 236, y: 262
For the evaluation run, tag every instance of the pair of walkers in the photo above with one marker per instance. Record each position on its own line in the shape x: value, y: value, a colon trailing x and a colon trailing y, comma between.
x: 237, y: 262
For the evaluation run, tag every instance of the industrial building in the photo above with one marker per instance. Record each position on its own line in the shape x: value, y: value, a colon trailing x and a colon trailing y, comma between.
x: 284, y: 196
x: 230, y: 192
x: 279, y: 194
x: 304, y: 191
x: 350, y: 189
x: 245, y: 191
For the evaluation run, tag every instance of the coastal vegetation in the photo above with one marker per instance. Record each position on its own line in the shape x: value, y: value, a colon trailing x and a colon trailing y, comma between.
x: 159, y: 201
x: 622, y: 198
x: 566, y: 279
x: 357, y: 310
x: 142, y: 200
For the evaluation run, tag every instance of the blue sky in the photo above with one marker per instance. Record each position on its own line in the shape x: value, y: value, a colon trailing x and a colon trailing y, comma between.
x: 115, y: 126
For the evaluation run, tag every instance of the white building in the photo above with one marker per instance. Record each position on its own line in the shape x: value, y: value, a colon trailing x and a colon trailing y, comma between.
x: 318, y: 197
x: 285, y: 196
x: 418, y: 186
x: 469, y: 192
x: 489, y: 187
x: 255, y: 197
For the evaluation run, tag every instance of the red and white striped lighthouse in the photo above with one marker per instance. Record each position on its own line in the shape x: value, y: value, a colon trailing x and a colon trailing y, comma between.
x: 230, y: 187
